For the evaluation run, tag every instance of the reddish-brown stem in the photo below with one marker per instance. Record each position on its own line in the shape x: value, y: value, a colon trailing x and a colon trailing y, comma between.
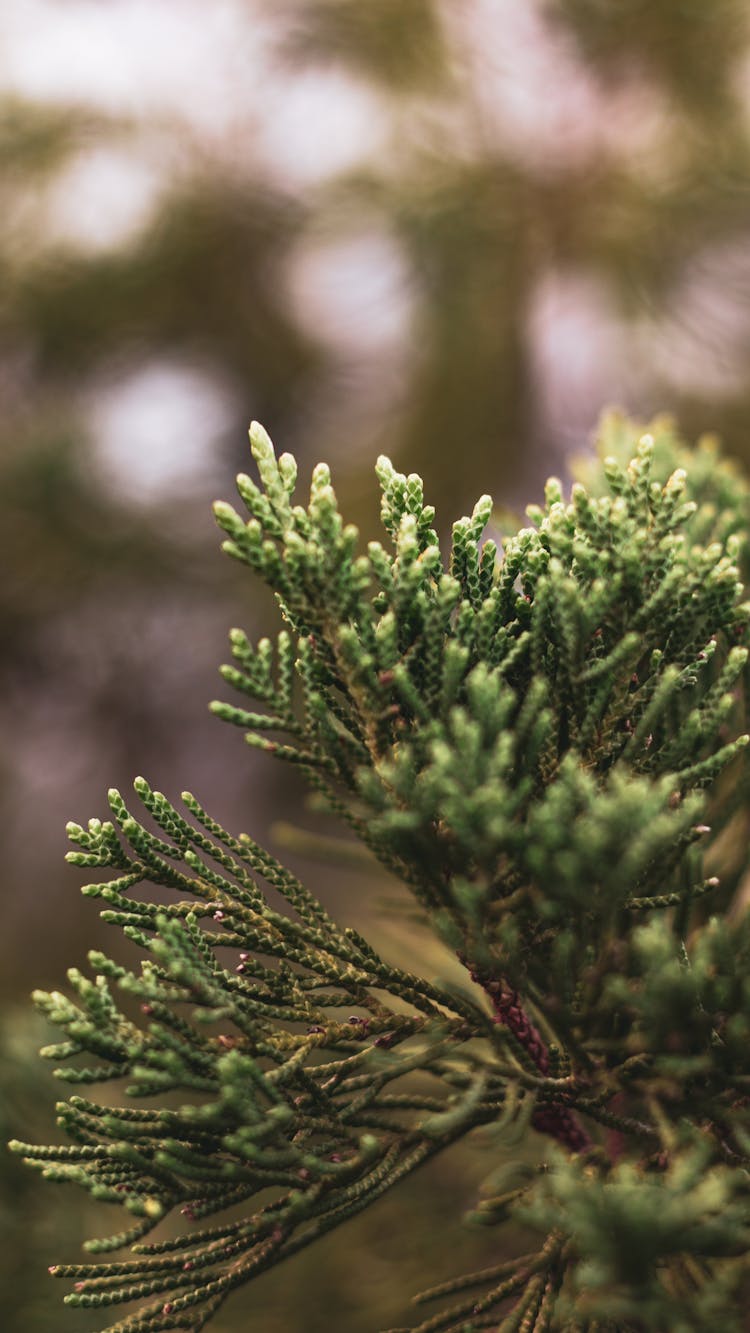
x: 558, y: 1121
x: 615, y: 1139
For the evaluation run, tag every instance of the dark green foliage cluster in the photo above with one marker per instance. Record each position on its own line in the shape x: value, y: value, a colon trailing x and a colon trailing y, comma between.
x: 545, y: 743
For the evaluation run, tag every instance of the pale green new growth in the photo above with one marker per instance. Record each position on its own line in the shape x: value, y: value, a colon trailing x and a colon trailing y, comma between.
x: 547, y: 746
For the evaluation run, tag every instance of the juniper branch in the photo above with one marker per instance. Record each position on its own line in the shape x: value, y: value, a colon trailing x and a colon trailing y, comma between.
x: 547, y: 746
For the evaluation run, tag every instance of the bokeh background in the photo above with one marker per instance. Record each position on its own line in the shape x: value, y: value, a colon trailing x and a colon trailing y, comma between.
x: 450, y: 230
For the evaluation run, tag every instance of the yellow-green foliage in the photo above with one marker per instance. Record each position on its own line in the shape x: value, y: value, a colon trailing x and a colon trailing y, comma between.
x: 545, y: 744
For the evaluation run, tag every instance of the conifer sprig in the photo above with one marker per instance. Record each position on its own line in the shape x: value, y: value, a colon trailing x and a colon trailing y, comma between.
x: 546, y: 745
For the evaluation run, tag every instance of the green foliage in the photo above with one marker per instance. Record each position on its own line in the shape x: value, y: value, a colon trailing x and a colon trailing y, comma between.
x: 400, y: 46
x: 670, y: 39
x: 545, y: 744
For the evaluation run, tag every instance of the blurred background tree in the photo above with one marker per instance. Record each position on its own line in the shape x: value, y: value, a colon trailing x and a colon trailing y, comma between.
x: 386, y: 226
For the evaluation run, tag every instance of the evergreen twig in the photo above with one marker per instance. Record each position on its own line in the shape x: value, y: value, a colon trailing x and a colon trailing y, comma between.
x: 546, y: 746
